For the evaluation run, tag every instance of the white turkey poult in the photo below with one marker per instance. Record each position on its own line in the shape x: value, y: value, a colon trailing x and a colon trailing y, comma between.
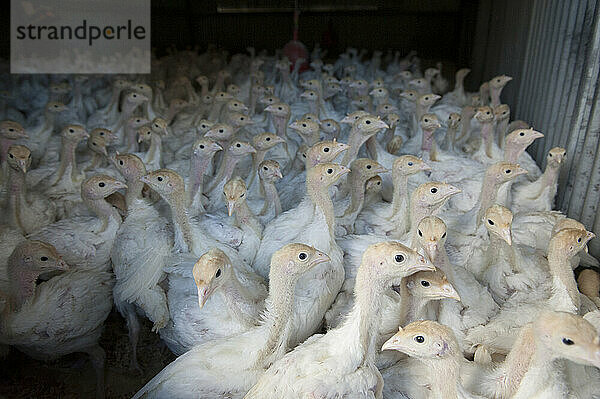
x: 259, y: 234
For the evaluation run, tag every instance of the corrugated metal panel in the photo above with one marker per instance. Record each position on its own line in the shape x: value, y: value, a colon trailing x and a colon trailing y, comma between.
x: 556, y: 65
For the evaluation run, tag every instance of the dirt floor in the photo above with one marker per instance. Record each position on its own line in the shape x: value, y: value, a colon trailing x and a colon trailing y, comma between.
x: 73, y: 376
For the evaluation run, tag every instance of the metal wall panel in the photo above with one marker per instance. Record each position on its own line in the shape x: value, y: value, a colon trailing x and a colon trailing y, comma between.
x: 555, y: 61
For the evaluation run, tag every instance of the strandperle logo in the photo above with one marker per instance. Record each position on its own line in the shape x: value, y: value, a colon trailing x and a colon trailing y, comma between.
x: 80, y: 36
x: 84, y: 31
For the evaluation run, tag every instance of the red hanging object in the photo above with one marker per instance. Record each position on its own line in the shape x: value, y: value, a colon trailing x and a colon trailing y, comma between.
x: 294, y: 49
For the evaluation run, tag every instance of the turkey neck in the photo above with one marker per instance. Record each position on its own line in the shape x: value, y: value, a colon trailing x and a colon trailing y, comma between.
x: 355, y: 140
x: 445, y: 373
x: 67, y: 159
x: 364, y: 321
x: 184, y: 240
x: 314, y: 108
x: 550, y: 178
x: 495, y: 96
x: 487, y: 197
x: 428, y: 143
x: 155, y: 148
x: 487, y: 131
x: 198, y: 167
x: 215, y: 110
x: 319, y: 195
x: 466, y: 115
x: 238, y: 302
x: 450, y: 137
x: 126, y: 113
x: 22, y: 286
x: 280, y: 306
x: 130, y: 133
x: 225, y: 170
x: 563, y: 281
x: 501, y: 130
x: 280, y: 123
x: 271, y: 197
x: 134, y: 189
x: 103, y: 210
x: 17, y: 197
x: 400, y: 195
x: 513, y: 151
x: 543, y: 367
x: 519, y: 360
x: 244, y: 216
x: 4, y: 145
x: 357, y: 193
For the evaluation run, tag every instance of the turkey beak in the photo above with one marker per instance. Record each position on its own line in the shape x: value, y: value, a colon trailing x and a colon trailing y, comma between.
x: 537, y: 135
x: 62, y: 265
x: 279, y: 174
x: 380, y: 169
x: 425, y: 167
x: 216, y: 147
x: 204, y: 292
x: 22, y: 165
x: 431, y: 249
x: 506, y: 235
x: 119, y: 185
x: 450, y: 292
x: 230, y: 207
x: 379, y: 124
x: 320, y: 257
x: 520, y: 171
x: 421, y: 264
x: 104, y: 152
x: 278, y: 140
x: 343, y: 170
x: 139, y: 140
x: 392, y: 344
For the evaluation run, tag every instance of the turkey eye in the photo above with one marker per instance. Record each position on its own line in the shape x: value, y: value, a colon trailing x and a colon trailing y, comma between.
x: 326, y: 149
x: 265, y: 168
x: 579, y: 239
x: 268, y: 139
x: 399, y: 258
x: 242, y: 195
x: 426, y: 98
x: 302, y: 256
x: 101, y: 184
x: 304, y: 125
x: 44, y: 258
x: 521, y: 134
x: 425, y: 283
x: 420, y: 233
x: 426, y: 120
x: 507, y: 171
x: 93, y: 143
x: 71, y: 131
x: 137, y: 120
x: 11, y: 155
x: 218, y: 273
x: 101, y: 133
x: 487, y: 113
x: 379, y: 183
x: 279, y: 108
x: 201, y: 146
x: 490, y: 222
x: 159, y: 178
x: 220, y: 130
x: 134, y: 96
x: 238, y: 145
x: 550, y: 154
x: 329, y: 171
x: 410, y: 164
x: 419, y: 339
x: 444, y: 235
x: 368, y: 166
x: 567, y: 341
x: 433, y: 190
x: 368, y: 122
x: 121, y: 162
x: 241, y: 119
